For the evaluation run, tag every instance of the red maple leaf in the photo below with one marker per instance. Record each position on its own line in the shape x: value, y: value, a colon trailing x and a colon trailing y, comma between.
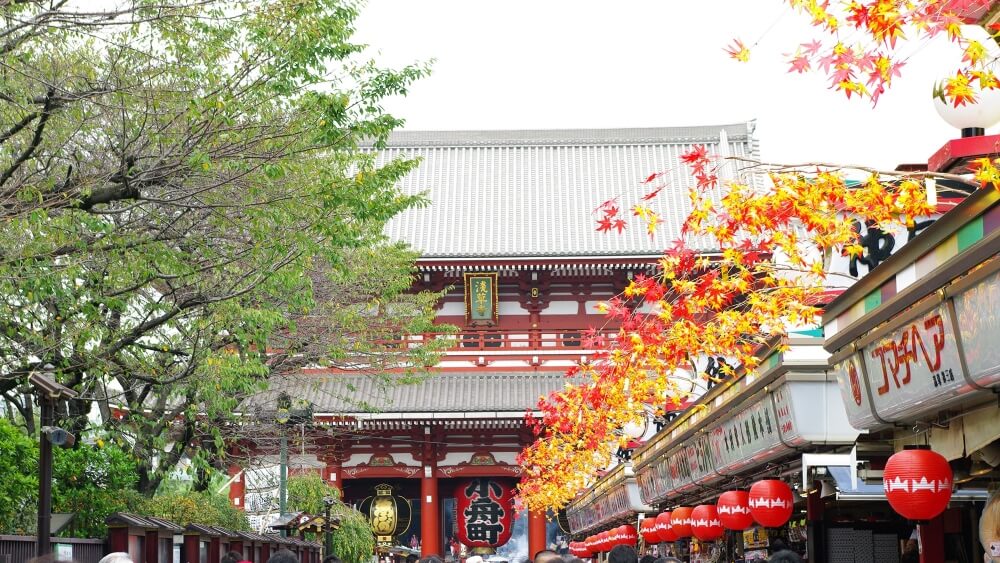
x: 697, y: 152
x: 619, y: 224
x: 812, y: 48
x: 604, y: 225
x: 652, y: 194
x: 800, y: 64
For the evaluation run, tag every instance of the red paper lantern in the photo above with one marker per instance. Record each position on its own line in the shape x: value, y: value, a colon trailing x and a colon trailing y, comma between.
x: 604, y: 541
x: 628, y: 535
x: 590, y: 543
x: 584, y: 549
x: 770, y: 503
x: 647, y: 529
x: 705, y: 523
x: 734, y: 510
x: 680, y: 521
x: 664, y: 528
x: 917, y: 483
x: 484, y: 509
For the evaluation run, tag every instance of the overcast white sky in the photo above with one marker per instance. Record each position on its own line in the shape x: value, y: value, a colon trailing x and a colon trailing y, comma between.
x: 538, y: 64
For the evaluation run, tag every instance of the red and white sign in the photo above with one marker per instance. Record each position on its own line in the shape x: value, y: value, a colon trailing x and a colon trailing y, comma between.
x: 915, y: 363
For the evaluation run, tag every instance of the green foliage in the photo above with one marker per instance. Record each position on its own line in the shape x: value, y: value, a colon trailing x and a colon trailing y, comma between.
x: 306, y: 493
x: 353, y: 542
x: 18, y: 480
x: 198, y: 508
x: 200, y: 186
x: 93, y: 482
x: 90, y: 481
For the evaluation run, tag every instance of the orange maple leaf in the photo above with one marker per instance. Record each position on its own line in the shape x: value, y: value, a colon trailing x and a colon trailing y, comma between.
x: 738, y: 51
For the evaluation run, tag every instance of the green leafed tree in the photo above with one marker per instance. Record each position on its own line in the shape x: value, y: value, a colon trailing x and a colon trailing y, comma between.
x: 18, y: 480
x: 353, y: 542
x: 203, y: 507
x: 94, y: 482
x: 189, y: 206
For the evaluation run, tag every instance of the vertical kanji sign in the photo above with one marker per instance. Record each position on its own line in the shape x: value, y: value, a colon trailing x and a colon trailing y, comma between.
x: 485, y: 511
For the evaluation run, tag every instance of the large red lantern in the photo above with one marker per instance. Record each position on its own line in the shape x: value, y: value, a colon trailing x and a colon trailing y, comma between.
x: 484, y: 510
x: 705, y: 524
x: 583, y: 550
x: 734, y: 510
x: 604, y: 541
x: 590, y: 543
x: 664, y: 528
x: 680, y: 521
x: 770, y: 503
x: 629, y: 535
x: 647, y: 529
x: 917, y: 483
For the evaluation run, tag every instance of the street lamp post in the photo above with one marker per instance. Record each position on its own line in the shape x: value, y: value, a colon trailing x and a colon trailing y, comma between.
x: 328, y: 524
x: 49, y: 392
x: 285, y: 417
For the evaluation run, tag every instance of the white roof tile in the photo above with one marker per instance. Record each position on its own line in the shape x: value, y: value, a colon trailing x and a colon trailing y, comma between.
x: 533, y: 193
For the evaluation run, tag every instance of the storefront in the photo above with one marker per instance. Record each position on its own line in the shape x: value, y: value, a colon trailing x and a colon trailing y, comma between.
x: 915, y: 349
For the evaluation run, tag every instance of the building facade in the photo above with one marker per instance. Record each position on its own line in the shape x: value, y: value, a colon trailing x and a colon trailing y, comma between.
x: 510, y: 239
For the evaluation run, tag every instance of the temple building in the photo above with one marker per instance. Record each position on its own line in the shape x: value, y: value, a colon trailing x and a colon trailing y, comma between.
x: 510, y: 237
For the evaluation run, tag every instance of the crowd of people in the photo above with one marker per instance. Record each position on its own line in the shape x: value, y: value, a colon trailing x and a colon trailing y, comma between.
x: 618, y: 554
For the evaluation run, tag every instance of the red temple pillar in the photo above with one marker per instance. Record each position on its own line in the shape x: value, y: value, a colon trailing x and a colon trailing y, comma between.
x: 536, y: 532
x: 237, y: 489
x: 932, y: 540
x: 430, y: 513
x: 332, y: 475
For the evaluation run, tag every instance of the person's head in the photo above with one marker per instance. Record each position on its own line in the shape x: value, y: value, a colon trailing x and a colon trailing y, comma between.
x: 116, y: 557
x: 623, y: 554
x: 778, y: 544
x: 668, y: 560
x: 785, y: 556
x: 547, y: 556
x: 647, y: 559
x: 571, y: 559
x: 231, y: 557
x: 431, y: 559
x: 411, y: 558
x: 283, y: 556
x: 334, y: 559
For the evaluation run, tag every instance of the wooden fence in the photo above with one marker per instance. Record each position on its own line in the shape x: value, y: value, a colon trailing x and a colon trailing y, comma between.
x: 20, y: 549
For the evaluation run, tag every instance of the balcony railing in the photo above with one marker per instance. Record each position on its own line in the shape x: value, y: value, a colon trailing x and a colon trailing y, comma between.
x: 495, y: 340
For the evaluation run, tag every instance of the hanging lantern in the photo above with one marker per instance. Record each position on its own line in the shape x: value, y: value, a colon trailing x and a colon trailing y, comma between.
x: 917, y: 483
x: 603, y: 541
x: 629, y: 535
x: 388, y: 515
x: 484, y: 510
x: 734, y: 510
x: 680, y: 521
x: 770, y: 503
x: 590, y: 543
x: 585, y: 550
x: 705, y: 523
x: 647, y: 529
x: 664, y: 528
